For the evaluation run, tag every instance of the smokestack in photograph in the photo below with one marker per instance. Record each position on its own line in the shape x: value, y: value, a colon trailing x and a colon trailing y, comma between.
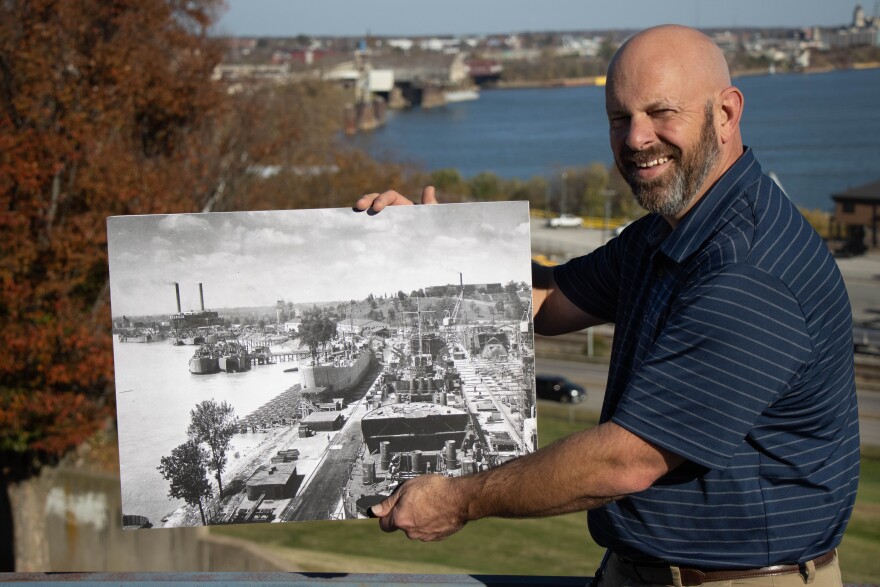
x: 202, y: 297
x: 177, y: 293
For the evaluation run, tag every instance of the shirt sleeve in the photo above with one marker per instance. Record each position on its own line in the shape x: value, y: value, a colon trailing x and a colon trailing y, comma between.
x: 733, y: 342
x: 591, y: 282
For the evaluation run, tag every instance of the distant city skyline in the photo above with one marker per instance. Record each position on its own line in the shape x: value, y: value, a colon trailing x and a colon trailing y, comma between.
x: 460, y: 17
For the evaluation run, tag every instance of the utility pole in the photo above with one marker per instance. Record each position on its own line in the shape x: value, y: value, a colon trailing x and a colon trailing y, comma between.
x: 562, y: 197
x: 606, y: 231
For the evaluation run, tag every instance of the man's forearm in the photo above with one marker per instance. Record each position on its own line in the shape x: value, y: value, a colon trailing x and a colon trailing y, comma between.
x: 583, y: 471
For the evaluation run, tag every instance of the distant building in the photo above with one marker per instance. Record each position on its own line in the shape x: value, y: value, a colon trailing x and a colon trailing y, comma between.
x: 863, y: 31
x: 853, y: 38
x: 858, y: 210
x: 360, y: 326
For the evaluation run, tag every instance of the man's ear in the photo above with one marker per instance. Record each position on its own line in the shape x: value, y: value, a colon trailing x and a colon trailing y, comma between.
x: 731, y: 102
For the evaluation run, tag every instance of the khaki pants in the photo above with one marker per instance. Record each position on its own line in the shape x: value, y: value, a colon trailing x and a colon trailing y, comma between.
x: 618, y: 574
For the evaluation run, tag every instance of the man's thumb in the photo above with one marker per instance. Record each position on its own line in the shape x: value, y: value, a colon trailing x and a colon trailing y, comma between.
x: 380, y: 510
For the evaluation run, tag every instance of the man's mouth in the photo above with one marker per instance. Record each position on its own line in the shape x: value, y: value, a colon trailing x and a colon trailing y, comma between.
x: 647, y: 169
x: 651, y: 163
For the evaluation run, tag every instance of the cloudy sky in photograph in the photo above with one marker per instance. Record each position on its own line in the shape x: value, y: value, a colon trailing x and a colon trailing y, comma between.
x: 257, y: 258
x: 460, y: 17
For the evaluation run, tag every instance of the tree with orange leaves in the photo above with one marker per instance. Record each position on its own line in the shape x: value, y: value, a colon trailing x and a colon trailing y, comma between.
x: 104, y: 110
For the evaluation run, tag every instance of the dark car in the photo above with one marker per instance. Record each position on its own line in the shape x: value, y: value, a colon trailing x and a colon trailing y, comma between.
x: 559, y: 389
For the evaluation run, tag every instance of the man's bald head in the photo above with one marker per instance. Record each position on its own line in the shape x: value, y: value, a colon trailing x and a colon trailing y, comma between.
x: 674, y: 117
x: 686, y: 52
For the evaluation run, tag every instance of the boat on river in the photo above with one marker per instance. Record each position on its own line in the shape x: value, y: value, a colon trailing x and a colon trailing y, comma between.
x: 224, y: 356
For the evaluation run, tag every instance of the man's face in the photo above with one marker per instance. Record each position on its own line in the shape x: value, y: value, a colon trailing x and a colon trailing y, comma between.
x: 663, y: 136
x: 670, y: 192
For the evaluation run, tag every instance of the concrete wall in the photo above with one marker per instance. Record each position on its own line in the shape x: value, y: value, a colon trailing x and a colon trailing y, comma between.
x: 71, y: 520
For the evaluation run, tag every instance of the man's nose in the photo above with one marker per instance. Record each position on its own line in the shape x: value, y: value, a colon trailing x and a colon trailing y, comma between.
x: 640, y: 133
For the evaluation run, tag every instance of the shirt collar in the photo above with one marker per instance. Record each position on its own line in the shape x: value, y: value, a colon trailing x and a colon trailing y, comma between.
x: 699, y: 223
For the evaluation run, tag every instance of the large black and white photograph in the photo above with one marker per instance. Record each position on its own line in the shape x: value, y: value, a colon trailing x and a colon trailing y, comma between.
x: 299, y: 365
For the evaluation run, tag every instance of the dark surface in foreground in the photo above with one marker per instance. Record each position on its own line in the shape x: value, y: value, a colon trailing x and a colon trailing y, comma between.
x: 352, y: 580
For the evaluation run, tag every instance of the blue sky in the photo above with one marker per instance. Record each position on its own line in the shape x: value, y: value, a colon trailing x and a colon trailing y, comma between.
x: 421, y: 17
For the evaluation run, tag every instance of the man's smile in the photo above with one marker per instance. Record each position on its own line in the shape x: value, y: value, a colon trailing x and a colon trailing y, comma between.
x: 650, y: 168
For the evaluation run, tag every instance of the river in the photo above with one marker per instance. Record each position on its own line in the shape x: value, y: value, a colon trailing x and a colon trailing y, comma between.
x: 154, y: 395
x: 817, y: 132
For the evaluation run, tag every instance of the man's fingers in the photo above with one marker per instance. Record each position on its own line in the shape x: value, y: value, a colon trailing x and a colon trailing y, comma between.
x: 428, y: 195
x: 364, y: 202
x: 376, y: 202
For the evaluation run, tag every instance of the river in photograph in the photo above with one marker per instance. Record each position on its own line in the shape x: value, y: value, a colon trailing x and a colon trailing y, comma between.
x: 154, y: 395
x: 818, y: 133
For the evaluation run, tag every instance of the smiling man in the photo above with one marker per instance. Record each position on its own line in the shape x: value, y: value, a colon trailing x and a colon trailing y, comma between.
x: 728, y: 447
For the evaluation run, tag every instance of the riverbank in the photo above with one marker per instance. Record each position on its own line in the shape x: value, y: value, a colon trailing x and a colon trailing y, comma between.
x: 599, y: 81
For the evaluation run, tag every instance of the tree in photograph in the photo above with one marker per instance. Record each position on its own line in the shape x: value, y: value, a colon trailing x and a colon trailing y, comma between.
x: 214, y: 425
x: 186, y: 470
x: 516, y: 307
x: 316, y: 330
x: 499, y: 307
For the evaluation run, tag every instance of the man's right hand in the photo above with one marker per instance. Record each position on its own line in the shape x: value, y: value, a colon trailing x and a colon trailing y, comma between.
x: 426, y: 508
x: 374, y: 203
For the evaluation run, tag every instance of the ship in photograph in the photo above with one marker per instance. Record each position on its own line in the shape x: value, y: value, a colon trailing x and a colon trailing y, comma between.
x: 141, y: 335
x: 338, y: 373
x: 451, y: 402
x: 225, y: 356
x: 433, y: 413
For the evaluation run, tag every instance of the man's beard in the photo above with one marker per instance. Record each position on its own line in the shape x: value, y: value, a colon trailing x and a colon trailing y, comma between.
x: 673, y: 191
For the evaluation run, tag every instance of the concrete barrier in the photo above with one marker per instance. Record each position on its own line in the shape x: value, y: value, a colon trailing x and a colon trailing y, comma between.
x: 71, y: 520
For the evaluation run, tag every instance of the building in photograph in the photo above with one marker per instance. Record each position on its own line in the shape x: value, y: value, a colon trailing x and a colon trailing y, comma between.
x: 277, y: 481
x: 323, y: 421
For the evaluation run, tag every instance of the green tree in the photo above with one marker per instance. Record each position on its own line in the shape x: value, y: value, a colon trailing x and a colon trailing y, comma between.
x: 448, y: 181
x: 486, y: 187
x: 186, y: 470
x: 214, y: 425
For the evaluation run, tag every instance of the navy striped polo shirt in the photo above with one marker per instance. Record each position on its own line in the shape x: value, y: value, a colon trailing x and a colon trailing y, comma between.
x: 732, y: 349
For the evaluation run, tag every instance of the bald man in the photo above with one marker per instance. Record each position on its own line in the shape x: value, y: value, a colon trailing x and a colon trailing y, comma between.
x: 728, y: 446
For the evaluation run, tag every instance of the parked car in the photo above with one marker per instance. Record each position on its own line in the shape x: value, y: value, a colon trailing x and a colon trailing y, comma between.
x: 559, y: 389
x: 619, y: 230
x: 565, y: 221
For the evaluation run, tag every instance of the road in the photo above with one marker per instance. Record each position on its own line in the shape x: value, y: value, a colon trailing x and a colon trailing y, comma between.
x: 324, y: 487
x: 321, y: 497
x: 593, y: 377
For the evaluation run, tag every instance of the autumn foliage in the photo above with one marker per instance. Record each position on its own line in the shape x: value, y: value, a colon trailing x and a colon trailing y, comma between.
x: 109, y: 107
x: 103, y: 110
